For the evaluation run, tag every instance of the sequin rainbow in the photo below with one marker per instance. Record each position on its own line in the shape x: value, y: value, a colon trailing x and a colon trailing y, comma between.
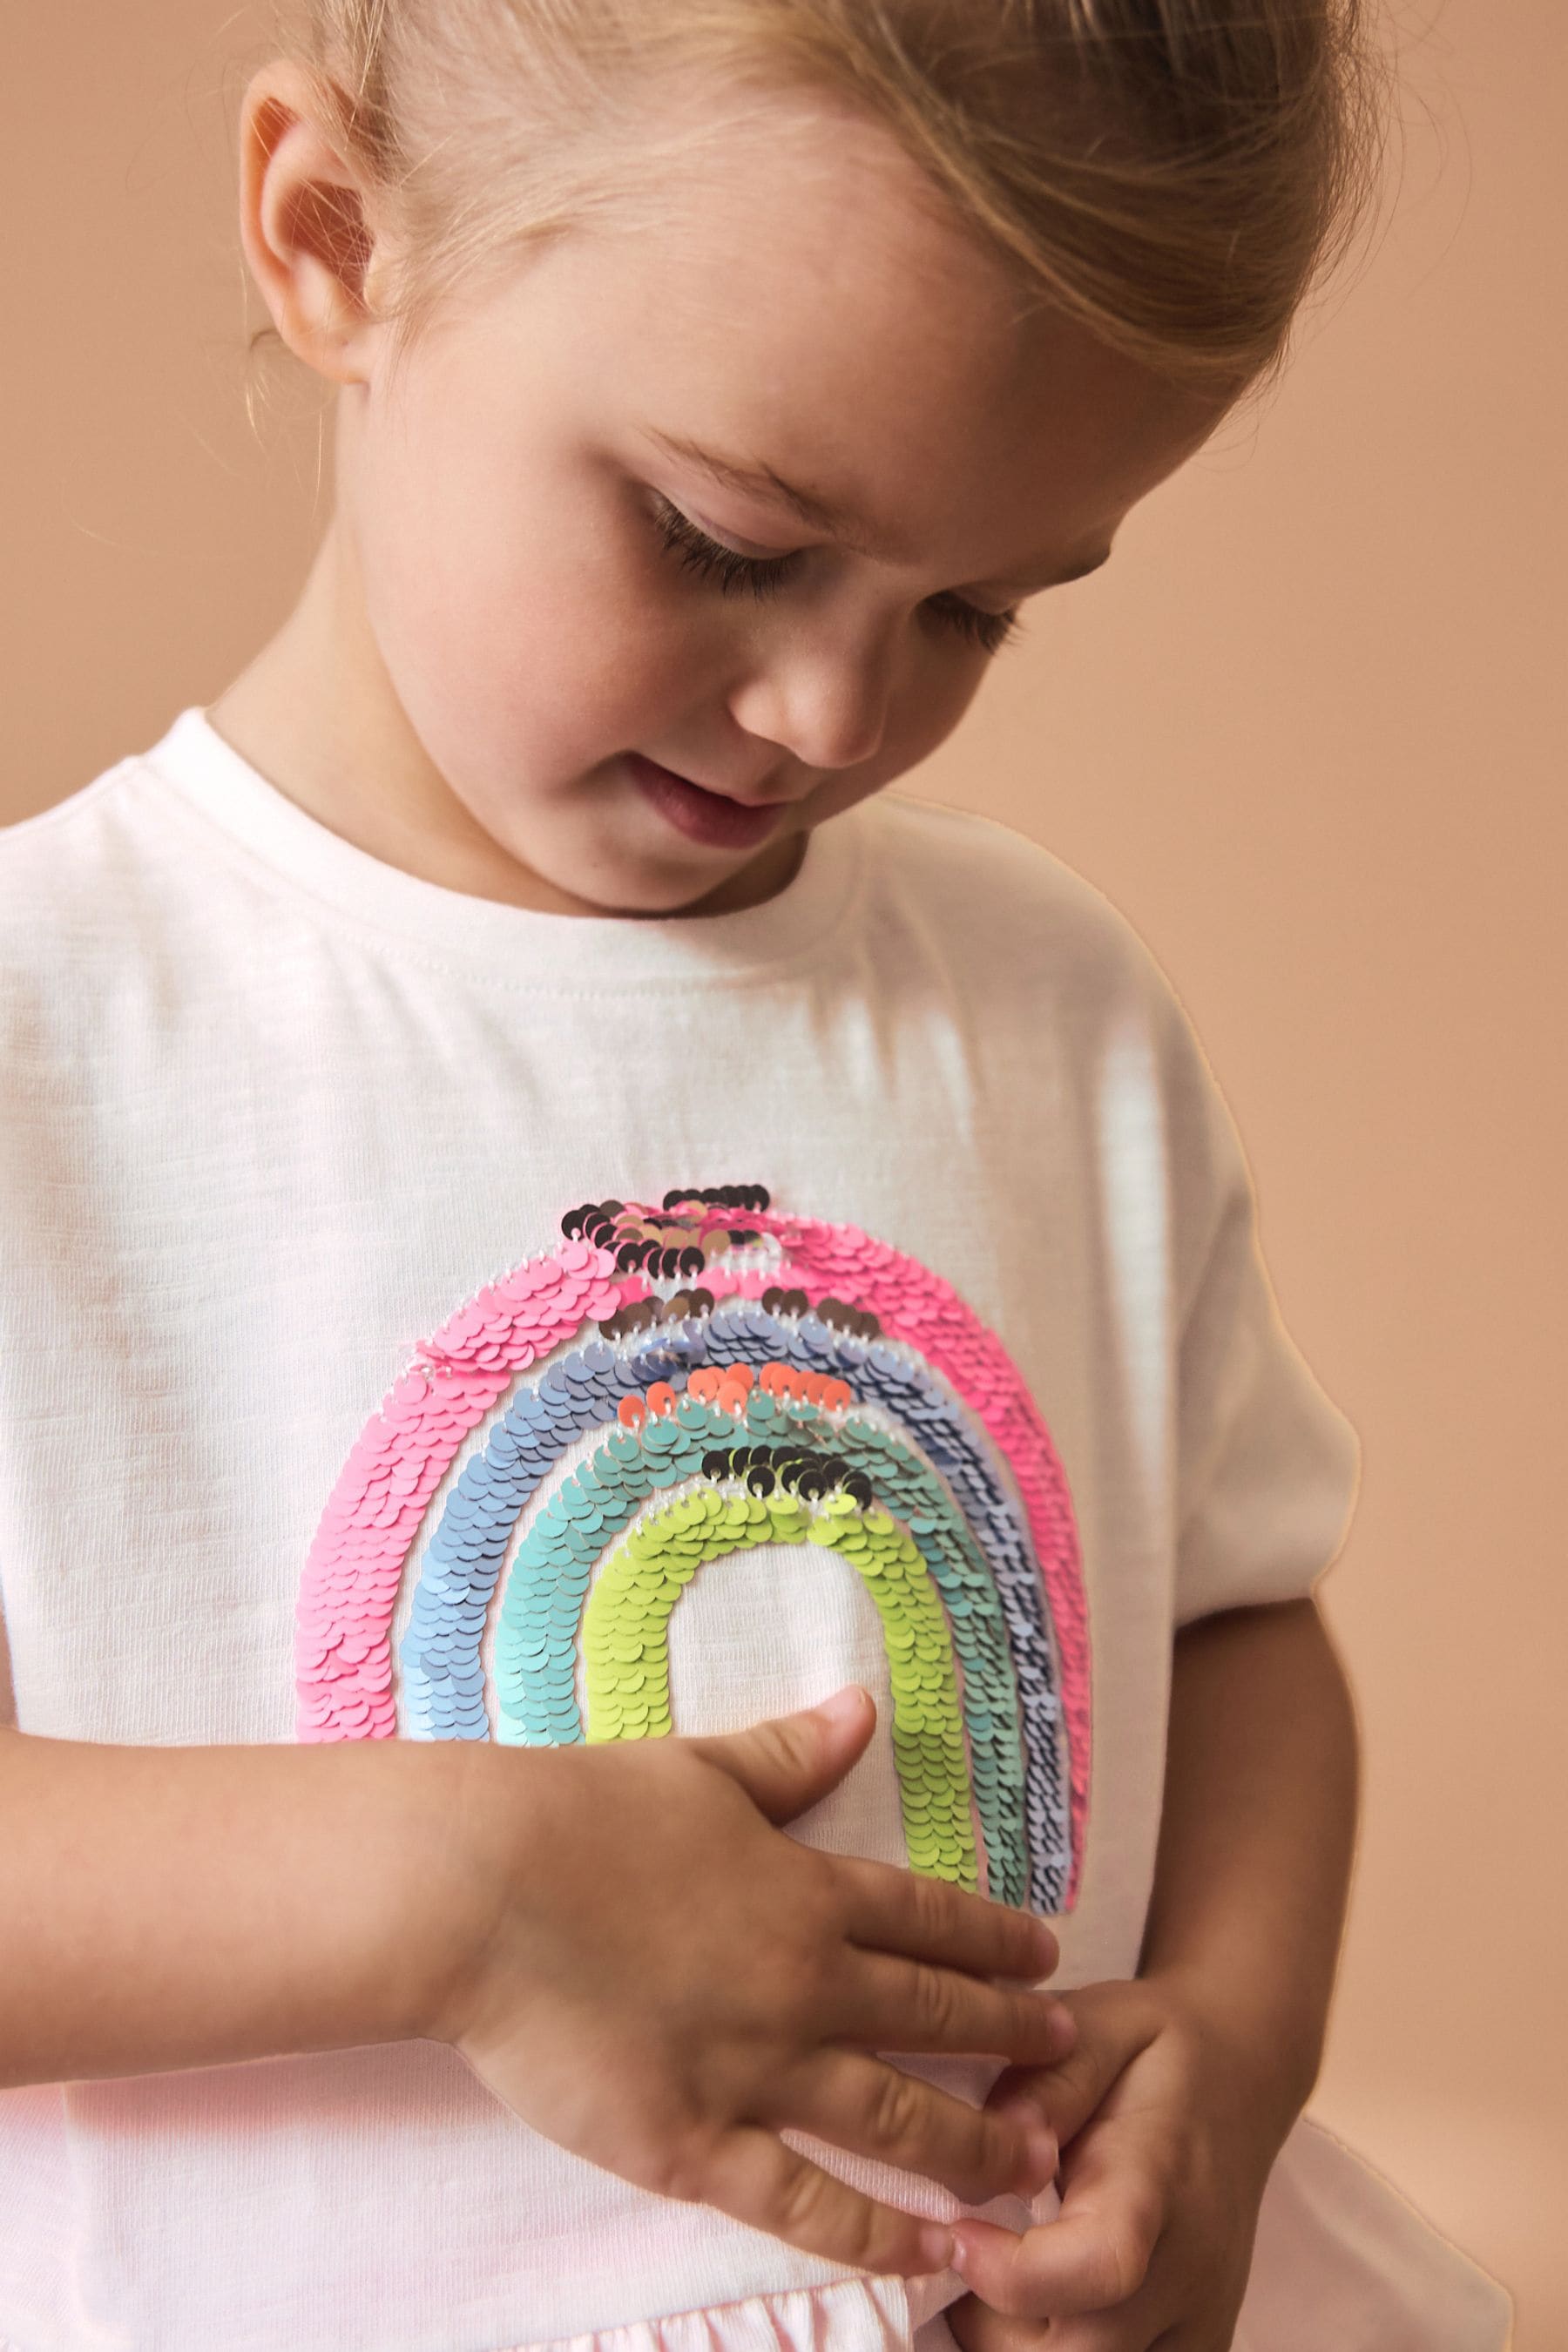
x: 742, y: 1377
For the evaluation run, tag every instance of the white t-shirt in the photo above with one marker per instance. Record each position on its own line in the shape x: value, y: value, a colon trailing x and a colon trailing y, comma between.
x: 324, y: 1415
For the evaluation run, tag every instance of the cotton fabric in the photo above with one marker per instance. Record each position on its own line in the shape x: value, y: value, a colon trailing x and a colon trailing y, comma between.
x: 273, y: 1111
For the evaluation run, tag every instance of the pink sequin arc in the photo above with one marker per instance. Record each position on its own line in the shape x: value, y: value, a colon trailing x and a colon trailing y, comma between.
x: 343, y: 1654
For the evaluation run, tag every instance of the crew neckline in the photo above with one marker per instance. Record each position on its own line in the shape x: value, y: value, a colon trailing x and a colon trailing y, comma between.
x: 516, y: 943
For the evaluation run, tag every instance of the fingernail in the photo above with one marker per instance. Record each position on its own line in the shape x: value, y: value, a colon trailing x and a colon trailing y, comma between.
x: 851, y: 1700
x: 1044, y: 2157
x: 936, y: 2246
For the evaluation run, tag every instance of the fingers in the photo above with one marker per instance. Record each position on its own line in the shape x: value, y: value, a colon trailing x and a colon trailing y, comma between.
x: 789, y: 1762
x: 754, y: 2178
x: 1137, y: 2325
x: 1112, y: 2028
x: 894, y: 1910
x: 1064, y: 2094
x: 898, y: 2004
x: 870, y: 2108
x: 975, y: 2327
x: 1093, y: 2256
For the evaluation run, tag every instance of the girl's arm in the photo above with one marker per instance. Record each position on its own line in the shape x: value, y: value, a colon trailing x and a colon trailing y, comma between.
x: 184, y: 1906
x: 1258, y: 1838
x: 620, y: 1939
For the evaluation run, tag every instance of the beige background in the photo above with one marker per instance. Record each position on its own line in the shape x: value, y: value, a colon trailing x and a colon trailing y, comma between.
x: 1308, y: 732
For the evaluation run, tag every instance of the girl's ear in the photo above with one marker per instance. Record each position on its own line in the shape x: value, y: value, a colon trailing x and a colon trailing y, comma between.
x: 305, y: 225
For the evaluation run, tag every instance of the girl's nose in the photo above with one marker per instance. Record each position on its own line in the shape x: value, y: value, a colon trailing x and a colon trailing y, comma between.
x: 821, y: 693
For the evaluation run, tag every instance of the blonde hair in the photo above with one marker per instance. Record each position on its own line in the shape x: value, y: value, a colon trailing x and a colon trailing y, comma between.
x: 1175, y: 173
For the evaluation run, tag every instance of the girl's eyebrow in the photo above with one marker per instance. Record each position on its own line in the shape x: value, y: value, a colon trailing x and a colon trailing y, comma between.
x: 760, y: 481
x: 757, y: 480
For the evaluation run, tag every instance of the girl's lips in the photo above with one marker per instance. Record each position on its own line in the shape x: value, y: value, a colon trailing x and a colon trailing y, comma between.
x: 702, y: 815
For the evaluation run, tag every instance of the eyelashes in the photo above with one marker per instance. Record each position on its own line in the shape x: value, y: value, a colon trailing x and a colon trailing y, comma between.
x: 734, y: 573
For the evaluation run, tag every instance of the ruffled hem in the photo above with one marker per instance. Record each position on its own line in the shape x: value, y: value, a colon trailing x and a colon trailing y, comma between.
x: 860, y: 2315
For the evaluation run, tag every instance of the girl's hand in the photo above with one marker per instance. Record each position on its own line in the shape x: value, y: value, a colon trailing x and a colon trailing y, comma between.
x: 1167, y: 2147
x: 662, y: 1981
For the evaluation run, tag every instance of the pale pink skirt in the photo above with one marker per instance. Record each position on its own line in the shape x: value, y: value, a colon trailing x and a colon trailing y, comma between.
x: 1341, y: 2263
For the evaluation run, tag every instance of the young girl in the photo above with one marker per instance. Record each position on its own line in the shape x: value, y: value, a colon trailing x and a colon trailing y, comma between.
x: 642, y: 1424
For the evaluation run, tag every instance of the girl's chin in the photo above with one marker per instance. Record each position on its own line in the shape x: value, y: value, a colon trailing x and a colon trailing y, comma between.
x: 601, y: 879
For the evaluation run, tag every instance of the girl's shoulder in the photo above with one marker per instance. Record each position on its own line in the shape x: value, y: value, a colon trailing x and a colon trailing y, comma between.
x: 79, y: 886
x: 1032, y: 948
x: 1004, y: 902
x: 82, y: 848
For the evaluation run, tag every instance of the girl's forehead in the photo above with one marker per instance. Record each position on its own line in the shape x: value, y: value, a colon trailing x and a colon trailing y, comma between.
x: 878, y: 362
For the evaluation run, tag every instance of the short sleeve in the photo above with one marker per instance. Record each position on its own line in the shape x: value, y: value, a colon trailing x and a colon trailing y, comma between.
x: 1268, y: 1466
